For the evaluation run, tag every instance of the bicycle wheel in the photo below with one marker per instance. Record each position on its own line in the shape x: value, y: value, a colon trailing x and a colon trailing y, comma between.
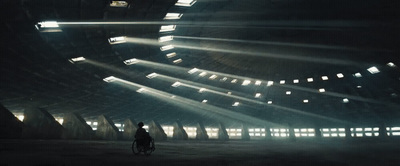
x: 135, y: 149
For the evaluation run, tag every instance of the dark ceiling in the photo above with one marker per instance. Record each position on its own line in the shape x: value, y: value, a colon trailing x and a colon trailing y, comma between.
x: 266, y: 40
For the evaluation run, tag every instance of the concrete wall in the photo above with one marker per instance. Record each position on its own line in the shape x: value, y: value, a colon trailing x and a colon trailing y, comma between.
x: 156, y: 131
x: 245, y: 133
x: 39, y: 124
x: 179, y: 132
x: 106, y: 129
x: 76, y: 127
x: 201, y: 133
x: 10, y: 126
x: 130, y: 127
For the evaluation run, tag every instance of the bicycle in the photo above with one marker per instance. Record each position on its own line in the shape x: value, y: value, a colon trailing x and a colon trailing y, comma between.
x: 146, y: 150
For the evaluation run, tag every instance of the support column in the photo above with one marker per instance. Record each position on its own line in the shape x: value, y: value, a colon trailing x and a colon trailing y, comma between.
x: 201, y: 133
x: 222, y: 134
x: 157, y: 132
x: 106, y: 129
x: 39, y: 124
x: 10, y: 126
x: 76, y: 127
x: 179, y: 132
x: 245, y: 133
x: 130, y: 127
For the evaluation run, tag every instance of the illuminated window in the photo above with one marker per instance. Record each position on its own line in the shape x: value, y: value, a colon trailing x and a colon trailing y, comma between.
x: 169, y: 130
x: 391, y: 64
x: 176, y: 84
x: 131, y: 61
x: 165, y: 38
x: 117, y: 40
x: 345, y: 100
x: 89, y: 122
x: 235, y: 104
x: 202, y: 74
x: 173, y: 16
x: 167, y: 28
x: 186, y: 3
x: 275, y: 132
x: 310, y: 79
x: 269, y: 102
x: 358, y: 75
x: 324, y: 78
x: 304, y: 132
x: 201, y: 90
x: 212, y: 77
x: 321, y: 90
x: 141, y: 90
x: 282, y: 82
x: 359, y: 87
x: 257, y: 132
x: 48, y: 26
x: 95, y: 123
x: 73, y: 60
x: 234, y: 81
x: 270, y: 83
x: 60, y: 120
x: 194, y: 70
x: 361, y: 132
x: 118, y: 4
x: 177, y: 61
x: 373, y: 70
x: 109, y: 79
x: 258, y: 82
x: 258, y: 95
x: 171, y: 55
x: 305, y: 101
x: 333, y: 132
x: 167, y: 47
x: 229, y: 93
x: 191, y: 131
x: 152, y: 75
x: 234, y: 133
x: 392, y: 131
x: 246, y: 82
x: 204, y: 101
x: 296, y: 81
x: 340, y: 75
x: 288, y: 92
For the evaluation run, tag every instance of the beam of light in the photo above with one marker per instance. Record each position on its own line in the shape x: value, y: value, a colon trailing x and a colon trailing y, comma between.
x: 220, y: 91
x: 274, y: 43
x: 186, y: 45
x: 166, y: 67
x: 191, y: 105
x: 111, y: 68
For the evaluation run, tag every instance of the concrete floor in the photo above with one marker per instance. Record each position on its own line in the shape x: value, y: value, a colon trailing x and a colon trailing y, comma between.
x: 276, y: 152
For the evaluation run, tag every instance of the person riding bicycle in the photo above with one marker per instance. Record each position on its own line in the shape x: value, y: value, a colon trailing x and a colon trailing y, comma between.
x: 142, y: 136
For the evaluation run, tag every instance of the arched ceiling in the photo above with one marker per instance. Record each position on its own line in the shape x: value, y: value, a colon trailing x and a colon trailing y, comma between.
x: 268, y: 40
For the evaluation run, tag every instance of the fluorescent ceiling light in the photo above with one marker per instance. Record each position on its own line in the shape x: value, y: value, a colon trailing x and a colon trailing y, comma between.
x: 167, y: 47
x: 47, y: 24
x: 246, y: 82
x: 194, y: 70
x: 167, y: 28
x: 324, y: 78
x: 288, y: 92
x: 186, y: 3
x: 176, y: 84
x: 373, y: 70
x: 173, y: 16
x: 269, y: 102
x: 391, y: 64
x: 310, y: 79
x: 141, y: 90
x: 345, y: 100
x: 296, y: 81
x: 213, y: 77
x: 201, y: 90
x: 224, y: 79
x: 258, y: 95
x: 177, y: 61
x: 234, y: 81
x: 117, y: 40
x: 152, y: 75
x: 270, y: 83
x: 339, y: 75
x: 171, y: 55
x: 359, y: 86
x: 202, y: 74
x: 73, y: 60
x: 282, y: 82
x: 109, y: 79
x: 229, y: 93
x: 258, y: 82
x: 358, y: 75
x: 204, y: 101
x: 321, y: 90
x: 166, y: 38
x: 131, y: 61
x: 118, y: 4
x: 235, y: 104
x: 305, y: 101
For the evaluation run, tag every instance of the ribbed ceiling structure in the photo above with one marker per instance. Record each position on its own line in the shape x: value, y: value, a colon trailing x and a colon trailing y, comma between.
x: 306, y: 62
